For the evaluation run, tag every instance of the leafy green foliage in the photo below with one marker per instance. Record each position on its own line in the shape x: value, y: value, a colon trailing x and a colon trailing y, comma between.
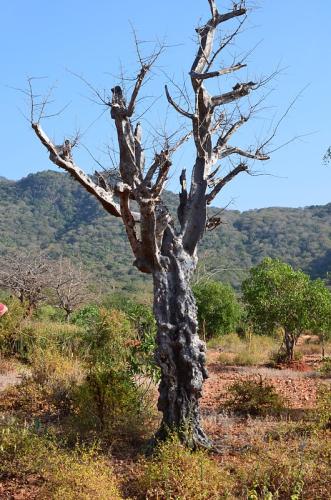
x: 142, y: 319
x: 218, y: 308
x: 275, y: 297
x: 109, y: 401
x: 319, y: 306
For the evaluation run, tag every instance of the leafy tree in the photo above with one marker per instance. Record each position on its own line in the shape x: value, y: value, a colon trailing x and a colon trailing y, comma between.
x: 218, y: 308
x: 276, y: 296
x: 319, y: 306
x: 162, y: 246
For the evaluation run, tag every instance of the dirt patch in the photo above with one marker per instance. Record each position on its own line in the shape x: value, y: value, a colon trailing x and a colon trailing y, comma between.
x: 298, y: 386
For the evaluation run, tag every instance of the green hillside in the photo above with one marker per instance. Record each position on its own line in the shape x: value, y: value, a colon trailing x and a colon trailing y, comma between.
x: 51, y: 211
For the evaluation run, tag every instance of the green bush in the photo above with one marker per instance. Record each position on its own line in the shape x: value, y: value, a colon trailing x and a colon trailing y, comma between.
x: 62, y: 337
x: 109, y: 401
x: 218, y: 309
x: 85, y: 316
x: 142, y: 319
x: 254, y: 397
x: 47, y: 312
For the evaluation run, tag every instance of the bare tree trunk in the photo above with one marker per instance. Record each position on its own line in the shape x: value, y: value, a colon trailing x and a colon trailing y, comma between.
x: 180, y: 353
x: 170, y: 255
x: 289, y: 339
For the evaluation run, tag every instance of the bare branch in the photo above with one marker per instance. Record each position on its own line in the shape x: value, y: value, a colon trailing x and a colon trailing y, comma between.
x: 242, y: 167
x: 140, y: 78
x: 214, y: 74
x: 230, y: 150
x: 106, y: 198
x: 175, y: 105
x: 240, y: 90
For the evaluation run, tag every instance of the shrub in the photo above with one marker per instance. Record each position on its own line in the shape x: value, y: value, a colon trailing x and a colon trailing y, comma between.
x: 142, y: 320
x: 56, y: 375
x: 176, y: 472
x: 109, y: 404
x: 61, y: 474
x: 254, y: 397
x: 325, y: 368
x: 109, y: 400
x: 50, y: 335
x: 47, y: 312
x: 12, y: 338
x: 323, y: 407
x: 218, y: 309
x: 85, y: 315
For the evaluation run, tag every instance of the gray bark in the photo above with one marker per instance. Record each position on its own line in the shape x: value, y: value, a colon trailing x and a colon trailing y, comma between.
x: 180, y: 353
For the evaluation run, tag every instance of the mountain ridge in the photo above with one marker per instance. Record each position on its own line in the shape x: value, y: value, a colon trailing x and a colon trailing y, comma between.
x: 51, y: 211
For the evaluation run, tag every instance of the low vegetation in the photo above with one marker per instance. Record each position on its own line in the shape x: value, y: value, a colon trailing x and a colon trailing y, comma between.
x: 87, y: 396
x: 254, y: 397
x: 41, y: 466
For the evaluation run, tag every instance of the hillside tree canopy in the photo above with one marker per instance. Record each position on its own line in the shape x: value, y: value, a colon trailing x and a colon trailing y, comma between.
x: 162, y: 246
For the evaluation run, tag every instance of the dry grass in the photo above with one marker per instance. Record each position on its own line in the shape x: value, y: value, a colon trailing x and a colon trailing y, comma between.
x: 251, y: 352
x: 59, y: 474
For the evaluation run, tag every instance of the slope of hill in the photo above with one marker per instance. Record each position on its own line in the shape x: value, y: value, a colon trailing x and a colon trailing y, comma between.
x: 50, y: 211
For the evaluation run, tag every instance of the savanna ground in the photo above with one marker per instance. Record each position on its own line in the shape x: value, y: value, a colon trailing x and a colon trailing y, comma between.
x: 51, y: 448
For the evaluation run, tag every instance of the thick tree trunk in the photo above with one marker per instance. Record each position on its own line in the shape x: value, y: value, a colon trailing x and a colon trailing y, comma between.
x: 180, y: 353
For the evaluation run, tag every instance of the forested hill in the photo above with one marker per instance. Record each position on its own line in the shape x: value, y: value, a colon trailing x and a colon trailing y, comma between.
x: 51, y: 211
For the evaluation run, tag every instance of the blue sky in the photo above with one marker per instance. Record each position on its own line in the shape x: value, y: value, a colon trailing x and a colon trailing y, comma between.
x: 41, y: 38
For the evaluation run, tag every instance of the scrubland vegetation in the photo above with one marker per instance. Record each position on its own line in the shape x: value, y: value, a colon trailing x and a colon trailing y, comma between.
x: 78, y: 420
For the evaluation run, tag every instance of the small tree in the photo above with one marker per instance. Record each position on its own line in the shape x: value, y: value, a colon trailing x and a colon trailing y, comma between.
x: 70, y: 286
x: 27, y: 276
x: 277, y: 296
x: 218, y: 308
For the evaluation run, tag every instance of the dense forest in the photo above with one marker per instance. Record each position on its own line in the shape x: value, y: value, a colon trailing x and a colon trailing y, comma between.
x: 50, y: 211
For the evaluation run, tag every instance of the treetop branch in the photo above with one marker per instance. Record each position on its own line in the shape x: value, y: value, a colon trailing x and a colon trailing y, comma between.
x: 214, y: 74
x: 240, y: 90
x: 242, y: 167
x: 176, y: 106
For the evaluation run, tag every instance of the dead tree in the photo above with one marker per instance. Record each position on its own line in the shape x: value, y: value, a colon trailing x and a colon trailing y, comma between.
x: 70, y: 286
x: 161, y: 248
x: 26, y: 275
